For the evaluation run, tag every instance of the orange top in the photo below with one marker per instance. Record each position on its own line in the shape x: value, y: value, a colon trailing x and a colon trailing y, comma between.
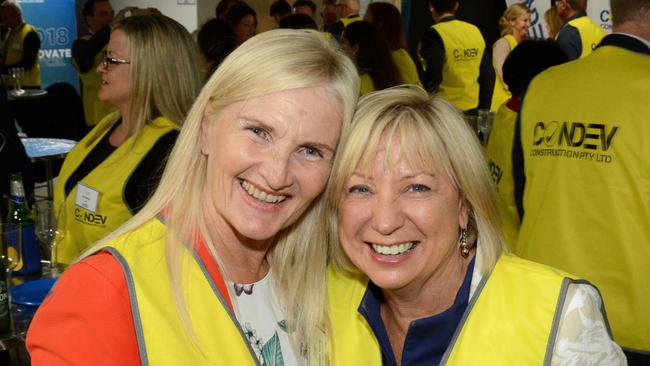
x: 87, y: 319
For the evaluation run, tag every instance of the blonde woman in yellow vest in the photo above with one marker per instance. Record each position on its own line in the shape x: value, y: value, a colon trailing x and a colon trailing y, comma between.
x: 419, y: 271
x: 88, y: 52
x: 452, y: 53
x: 579, y: 35
x: 591, y: 215
x: 20, y: 46
x: 111, y: 172
x: 388, y: 21
x: 514, y: 26
x: 521, y: 66
x: 220, y: 267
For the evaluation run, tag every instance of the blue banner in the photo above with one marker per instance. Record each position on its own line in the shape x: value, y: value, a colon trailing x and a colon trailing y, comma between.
x: 56, y: 24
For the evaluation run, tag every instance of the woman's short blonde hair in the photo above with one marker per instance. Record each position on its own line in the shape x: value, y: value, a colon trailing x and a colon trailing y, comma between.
x: 513, y: 12
x: 432, y: 133
x: 268, y: 63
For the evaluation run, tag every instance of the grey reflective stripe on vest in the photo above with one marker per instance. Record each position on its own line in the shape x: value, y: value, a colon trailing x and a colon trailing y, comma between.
x: 461, y: 324
x: 137, y: 323
x: 216, y: 291
x: 550, y: 345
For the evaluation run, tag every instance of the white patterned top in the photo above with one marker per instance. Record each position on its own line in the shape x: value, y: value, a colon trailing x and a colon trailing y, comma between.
x: 262, y: 320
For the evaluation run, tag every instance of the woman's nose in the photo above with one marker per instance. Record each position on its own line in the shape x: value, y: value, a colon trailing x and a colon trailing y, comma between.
x: 387, y: 214
x: 276, y: 170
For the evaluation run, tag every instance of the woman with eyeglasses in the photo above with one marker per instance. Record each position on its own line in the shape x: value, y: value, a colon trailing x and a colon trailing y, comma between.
x: 150, y: 73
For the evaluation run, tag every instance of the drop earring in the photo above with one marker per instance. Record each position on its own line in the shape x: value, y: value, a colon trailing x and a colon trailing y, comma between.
x: 464, y: 247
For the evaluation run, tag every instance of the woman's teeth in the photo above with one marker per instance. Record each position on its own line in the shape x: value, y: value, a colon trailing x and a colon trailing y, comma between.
x: 393, y: 249
x: 262, y: 196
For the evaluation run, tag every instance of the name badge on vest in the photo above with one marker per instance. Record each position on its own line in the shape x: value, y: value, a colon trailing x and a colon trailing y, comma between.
x: 87, y: 198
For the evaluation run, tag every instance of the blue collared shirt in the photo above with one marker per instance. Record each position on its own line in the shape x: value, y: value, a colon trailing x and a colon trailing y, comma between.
x: 427, y: 339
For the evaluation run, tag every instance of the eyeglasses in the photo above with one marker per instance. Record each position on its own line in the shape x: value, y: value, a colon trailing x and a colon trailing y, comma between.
x: 113, y: 61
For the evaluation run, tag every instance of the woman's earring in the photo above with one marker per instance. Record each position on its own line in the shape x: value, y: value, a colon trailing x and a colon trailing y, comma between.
x: 464, y: 247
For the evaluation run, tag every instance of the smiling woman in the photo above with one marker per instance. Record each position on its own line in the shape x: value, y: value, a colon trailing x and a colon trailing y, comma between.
x: 219, y: 267
x: 411, y: 206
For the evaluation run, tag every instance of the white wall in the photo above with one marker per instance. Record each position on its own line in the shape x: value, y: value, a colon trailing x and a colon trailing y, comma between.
x: 182, y: 13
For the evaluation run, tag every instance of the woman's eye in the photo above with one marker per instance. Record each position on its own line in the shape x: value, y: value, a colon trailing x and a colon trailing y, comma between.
x: 359, y: 189
x: 259, y: 132
x: 419, y: 188
x: 311, y: 152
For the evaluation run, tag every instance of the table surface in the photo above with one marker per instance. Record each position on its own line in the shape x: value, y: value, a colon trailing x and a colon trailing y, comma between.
x: 26, y: 94
x: 37, y: 147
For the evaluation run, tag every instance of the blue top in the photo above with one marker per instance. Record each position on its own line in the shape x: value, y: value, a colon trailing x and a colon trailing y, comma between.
x: 427, y: 339
x: 568, y: 39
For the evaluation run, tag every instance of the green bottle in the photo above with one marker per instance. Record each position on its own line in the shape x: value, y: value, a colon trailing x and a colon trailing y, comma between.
x: 20, y: 214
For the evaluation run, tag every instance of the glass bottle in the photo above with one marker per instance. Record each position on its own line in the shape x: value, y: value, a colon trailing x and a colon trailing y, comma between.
x: 20, y: 214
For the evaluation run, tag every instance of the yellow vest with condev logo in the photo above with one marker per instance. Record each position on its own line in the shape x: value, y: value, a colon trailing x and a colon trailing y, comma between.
x: 512, y: 318
x: 501, y: 93
x: 464, y: 47
x: 499, y: 154
x: 94, y: 109
x: 587, y: 193
x: 82, y: 227
x: 590, y: 34
x: 13, y: 48
x: 162, y: 337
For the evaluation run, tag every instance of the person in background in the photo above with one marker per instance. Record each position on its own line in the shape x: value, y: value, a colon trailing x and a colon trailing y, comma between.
x: 88, y: 53
x: 454, y: 63
x: 216, y: 40
x: 579, y: 34
x: 279, y: 9
x: 328, y: 14
x: 298, y: 21
x: 20, y: 45
x: 581, y: 166
x: 150, y: 73
x: 243, y: 20
x: 347, y: 12
x: 388, y: 21
x: 223, y: 6
x: 419, y: 274
x: 514, y: 26
x: 307, y: 7
x: 527, y: 60
x: 371, y: 53
x: 553, y: 22
x: 219, y: 268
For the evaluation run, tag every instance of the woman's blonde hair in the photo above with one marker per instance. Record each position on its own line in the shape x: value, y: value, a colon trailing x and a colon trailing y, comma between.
x: 511, y: 14
x: 165, y: 70
x: 268, y: 63
x: 553, y: 22
x: 431, y: 133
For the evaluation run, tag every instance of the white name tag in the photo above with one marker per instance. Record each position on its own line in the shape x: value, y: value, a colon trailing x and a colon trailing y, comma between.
x: 87, y: 198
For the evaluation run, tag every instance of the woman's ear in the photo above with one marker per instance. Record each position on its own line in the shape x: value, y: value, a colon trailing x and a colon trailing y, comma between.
x: 463, y: 213
x: 204, y: 139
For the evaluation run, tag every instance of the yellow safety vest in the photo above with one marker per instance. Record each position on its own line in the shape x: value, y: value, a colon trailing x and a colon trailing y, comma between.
x: 347, y: 21
x: 407, y: 71
x: 94, y: 109
x: 590, y: 33
x: 464, y: 47
x: 162, y: 337
x: 499, y: 153
x: 587, y: 194
x: 366, y: 85
x: 501, y: 93
x: 82, y: 227
x: 13, y: 48
x: 512, y: 318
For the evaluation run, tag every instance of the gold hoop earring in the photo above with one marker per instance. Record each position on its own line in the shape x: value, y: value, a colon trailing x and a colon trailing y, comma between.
x: 464, y: 247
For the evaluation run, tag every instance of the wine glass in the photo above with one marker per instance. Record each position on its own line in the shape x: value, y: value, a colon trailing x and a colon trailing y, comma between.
x: 16, y: 75
x: 11, y: 246
x: 484, y: 124
x: 47, y: 230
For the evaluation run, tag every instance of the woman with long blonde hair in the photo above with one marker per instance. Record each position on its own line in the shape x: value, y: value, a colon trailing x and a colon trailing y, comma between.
x: 150, y: 73
x: 514, y: 26
x: 220, y: 266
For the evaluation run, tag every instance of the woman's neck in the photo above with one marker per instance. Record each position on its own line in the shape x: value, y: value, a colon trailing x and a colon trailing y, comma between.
x: 244, y: 259
x: 121, y: 132
x: 403, y: 306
